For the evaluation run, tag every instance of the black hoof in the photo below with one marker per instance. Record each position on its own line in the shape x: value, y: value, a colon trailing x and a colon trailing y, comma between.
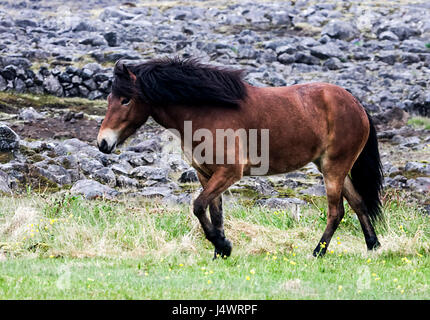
x: 319, y: 251
x: 373, y: 244
x: 223, y: 249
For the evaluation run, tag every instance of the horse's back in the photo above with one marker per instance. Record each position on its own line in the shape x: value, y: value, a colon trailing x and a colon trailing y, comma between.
x: 306, y: 120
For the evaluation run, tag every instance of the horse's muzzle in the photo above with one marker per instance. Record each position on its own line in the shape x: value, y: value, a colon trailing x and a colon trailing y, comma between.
x: 104, y: 147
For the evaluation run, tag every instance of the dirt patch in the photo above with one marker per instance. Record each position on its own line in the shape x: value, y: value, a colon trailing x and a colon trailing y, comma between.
x: 57, y: 128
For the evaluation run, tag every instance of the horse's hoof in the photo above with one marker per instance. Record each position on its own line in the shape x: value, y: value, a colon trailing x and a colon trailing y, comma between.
x: 373, y: 244
x: 223, y: 249
x: 319, y: 252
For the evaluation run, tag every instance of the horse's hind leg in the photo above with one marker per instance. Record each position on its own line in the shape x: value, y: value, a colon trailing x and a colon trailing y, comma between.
x: 357, y: 204
x: 334, y: 175
x: 216, y: 213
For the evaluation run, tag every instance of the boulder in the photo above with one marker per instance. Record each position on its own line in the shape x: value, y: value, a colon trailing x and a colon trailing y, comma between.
x: 339, y: 29
x: 188, y: 176
x: 280, y: 203
x: 29, y: 114
x: 91, y: 189
x: 9, y: 140
x: 420, y: 184
x: 53, y: 86
x: 4, y: 183
x: 150, y: 173
x: 423, y: 168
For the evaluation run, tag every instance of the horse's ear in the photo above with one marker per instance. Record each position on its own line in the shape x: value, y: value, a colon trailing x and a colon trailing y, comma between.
x: 132, y: 75
x: 122, y: 69
x: 119, y: 67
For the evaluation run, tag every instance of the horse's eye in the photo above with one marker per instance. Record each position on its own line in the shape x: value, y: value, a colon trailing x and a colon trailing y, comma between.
x: 125, y: 102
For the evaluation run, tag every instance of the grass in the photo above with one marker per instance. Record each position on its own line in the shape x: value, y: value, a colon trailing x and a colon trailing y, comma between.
x: 10, y: 100
x: 60, y: 246
x: 420, y: 122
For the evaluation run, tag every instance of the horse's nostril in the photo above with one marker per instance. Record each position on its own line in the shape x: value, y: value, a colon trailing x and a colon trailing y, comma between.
x: 103, y: 146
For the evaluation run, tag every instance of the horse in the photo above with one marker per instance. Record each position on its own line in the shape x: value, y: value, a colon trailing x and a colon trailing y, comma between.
x: 312, y: 122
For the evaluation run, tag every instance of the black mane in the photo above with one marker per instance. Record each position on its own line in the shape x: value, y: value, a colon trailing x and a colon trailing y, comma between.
x: 172, y: 81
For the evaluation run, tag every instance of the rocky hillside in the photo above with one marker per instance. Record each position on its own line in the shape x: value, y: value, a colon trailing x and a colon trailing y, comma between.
x: 378, y: 50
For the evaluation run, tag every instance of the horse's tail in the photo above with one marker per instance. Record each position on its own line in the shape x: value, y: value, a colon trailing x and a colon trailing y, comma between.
x: 367, y: 176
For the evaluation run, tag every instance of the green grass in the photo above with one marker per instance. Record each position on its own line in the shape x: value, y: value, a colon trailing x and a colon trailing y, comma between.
x: 420, y: 122
x: 63, y: 247
x: 15, y: 101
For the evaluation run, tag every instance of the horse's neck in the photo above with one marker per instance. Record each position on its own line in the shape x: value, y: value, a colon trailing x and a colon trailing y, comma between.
x: 169, y: 118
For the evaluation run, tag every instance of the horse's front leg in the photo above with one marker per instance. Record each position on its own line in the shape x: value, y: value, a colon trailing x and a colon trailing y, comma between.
x: 213, y: 188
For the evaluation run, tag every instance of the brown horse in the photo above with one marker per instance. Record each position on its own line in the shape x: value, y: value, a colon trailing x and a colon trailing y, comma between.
x: 316, y: 122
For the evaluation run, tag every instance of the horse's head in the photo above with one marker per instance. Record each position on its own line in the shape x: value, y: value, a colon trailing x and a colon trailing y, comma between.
x: 125, y: 112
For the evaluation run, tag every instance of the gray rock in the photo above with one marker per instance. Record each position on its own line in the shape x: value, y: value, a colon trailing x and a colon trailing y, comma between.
x: 402, y: 31
x: 74, y: 145
x: 122, y: 168
x: 423, y: 168
x: 389, y: 57
x: 316, y: 190
x: 112, y: 38
x: 96, y: 94
x: 86, y: 73
x: 280, y: 203
x: 90, y: 84
x: 84, y: 26
x: 390, y: 170
x: 150, y: 173
x: 286, y: 58
x: 19, y: 85
x: 9, y: 140
x: 149, y: 145
x: 23, y: 23
x: 409, y: 58
x: 388, y: 35
x: 151, y: 192
x: 280, y: 18
x: 326, y: 51
x: 91, y: 189
x: 126, y: 182
x: 305, y: 58
x: 53, y: 86
x: 183, y: 198
x: 93, y: 66
x: 137, y: 158
x: 333, y: 64
x: 52, y: 172
x: 88, y: 165
x: 4, y: 183
x: 95, y: 41
x: 3, y: 84
x: 15, y: 170
x: 411, y: 142
x: 188, y: 176
x: 339, y: 29
x: 109, y: 13
x: 263, y: 187
x: 105, y: 176
x: 246, y: 52
x: 420, y: 184
x: 29, y: 114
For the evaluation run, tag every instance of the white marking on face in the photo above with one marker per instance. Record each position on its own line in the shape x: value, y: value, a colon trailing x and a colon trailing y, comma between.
x: 109, y: 135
